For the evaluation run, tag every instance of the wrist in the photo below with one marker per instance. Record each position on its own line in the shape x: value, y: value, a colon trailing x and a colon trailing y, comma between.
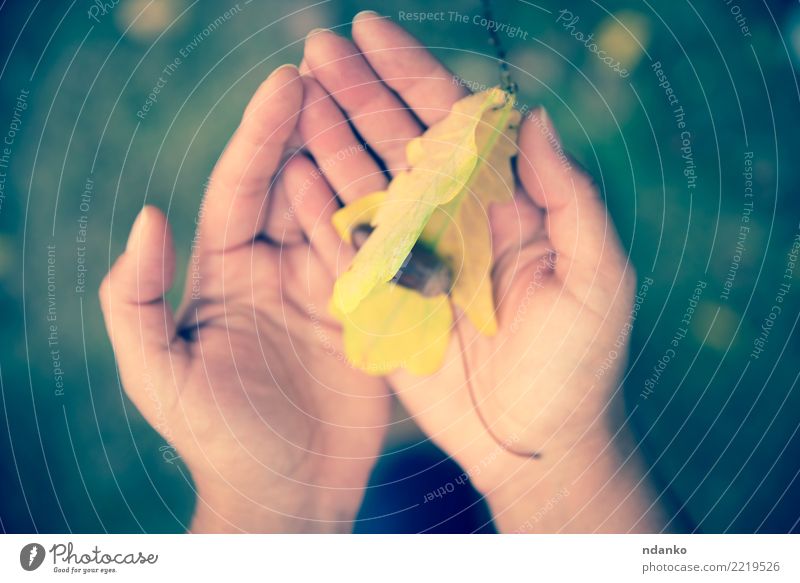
x: 592, y: 482
x: 533, y: 495
x: 500, y: 466
x: 261, y: 501
x: 277, y: 509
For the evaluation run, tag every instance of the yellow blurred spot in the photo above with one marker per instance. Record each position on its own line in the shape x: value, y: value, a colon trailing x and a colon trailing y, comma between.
x: 624, y: 36
x: 721, y: 331
x: 146, y: 18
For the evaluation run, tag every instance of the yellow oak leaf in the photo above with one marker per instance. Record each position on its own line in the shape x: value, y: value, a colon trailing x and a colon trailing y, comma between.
x: 444, y: 163
x: 396, y: 327
x: 434, y: 214
x: 459, y: 231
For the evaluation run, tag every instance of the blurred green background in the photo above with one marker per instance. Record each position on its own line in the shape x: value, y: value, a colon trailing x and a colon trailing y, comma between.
x: 718, y: 424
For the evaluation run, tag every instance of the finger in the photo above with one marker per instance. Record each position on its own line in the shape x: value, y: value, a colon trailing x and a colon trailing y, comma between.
x: 519, y: 241
x: 234, y: 206
x: 315, y: 207
x: 514, y: 224
x: 378, y: 115
x: 139, y: 321
x: 590, y: 258
x: 344, y: 161
x: 281, y: 227
x: 407, y: 67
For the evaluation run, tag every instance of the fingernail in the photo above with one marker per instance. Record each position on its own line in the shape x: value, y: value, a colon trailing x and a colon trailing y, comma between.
x: 547, y: 127
x: 282, y: 68
x: 367, y: 14
x: 137, y: 229
x: 316, y: 31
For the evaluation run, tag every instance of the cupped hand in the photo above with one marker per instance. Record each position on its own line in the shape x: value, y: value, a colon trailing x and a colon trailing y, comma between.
x: 248, y: 381
x: 540, y: 389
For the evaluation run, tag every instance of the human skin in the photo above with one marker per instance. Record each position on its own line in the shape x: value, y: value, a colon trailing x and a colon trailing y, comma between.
x: 279, y: 433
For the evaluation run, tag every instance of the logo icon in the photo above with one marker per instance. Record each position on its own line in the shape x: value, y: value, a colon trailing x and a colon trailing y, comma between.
x: 31, y: 556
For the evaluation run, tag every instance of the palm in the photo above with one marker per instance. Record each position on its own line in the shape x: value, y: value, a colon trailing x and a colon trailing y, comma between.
x: 268, y: 381
x: 248, y: 382
x: 528, y: 382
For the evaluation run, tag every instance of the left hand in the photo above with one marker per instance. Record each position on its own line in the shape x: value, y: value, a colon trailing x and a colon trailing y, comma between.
x: 247, y: 381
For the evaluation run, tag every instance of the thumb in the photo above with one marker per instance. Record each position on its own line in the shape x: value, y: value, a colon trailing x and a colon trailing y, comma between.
x: 139, y: 321
x: 590, y: 258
